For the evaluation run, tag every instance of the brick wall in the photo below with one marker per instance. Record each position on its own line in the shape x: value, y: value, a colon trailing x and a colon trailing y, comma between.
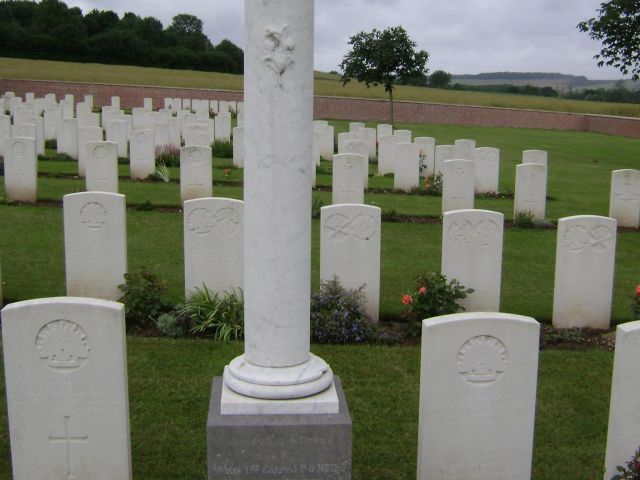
x: 341, y: 108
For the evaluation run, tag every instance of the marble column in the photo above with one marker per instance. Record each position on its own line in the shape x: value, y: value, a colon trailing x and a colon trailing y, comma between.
x: 278, y: 98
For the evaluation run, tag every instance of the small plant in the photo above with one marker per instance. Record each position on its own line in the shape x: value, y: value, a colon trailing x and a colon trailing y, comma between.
x: 142, y: 298
x: 216, y: 314
x: 51, y: 144
x: 338, y: 315
x: 316, y: 204
x: 169, y: 325
x: 433, y: 185
x: 222, y: 149
x: 635, y: 306
x: 422, y: 160
x: 432, y: 296
x: 631, y: 470
x: 524, y: 220
x: 162, y: 172
x: 5, y: 200
x: 145, y: 206
x: 61, y: 157
x: 168, y: 155
x: 227, y: 172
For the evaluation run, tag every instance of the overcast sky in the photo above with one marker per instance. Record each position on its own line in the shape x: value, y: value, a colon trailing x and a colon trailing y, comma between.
x: 461, y: 36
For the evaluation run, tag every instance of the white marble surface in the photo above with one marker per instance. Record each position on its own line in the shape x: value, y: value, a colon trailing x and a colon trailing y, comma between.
x: 531, y: 189
x: 464, y: 148
x: 85, y: 135
x: 101, y: 167
x: 487, y: 169
x: 95, y: 244
x: 142, y: 156
x: 585, y: 262
x: 458, y: 185
x: 478, y: 374
x: 196, y: 176
x: 347, y: 179
x: 427, y: 152
x: 385, y: 154
x: 406, y: 171
x: 535, y: 156
x: 442, y: 154
x: 67, y: 395
x: 624, y: 202
x: 20, y: 169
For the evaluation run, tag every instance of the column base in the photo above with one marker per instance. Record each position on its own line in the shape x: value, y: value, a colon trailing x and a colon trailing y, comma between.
x: 278, y: 383
x: 296, y: 447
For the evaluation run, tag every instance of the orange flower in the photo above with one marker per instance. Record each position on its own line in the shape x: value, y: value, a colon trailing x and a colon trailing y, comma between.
x: 422, y: 290
x: 406, y: 299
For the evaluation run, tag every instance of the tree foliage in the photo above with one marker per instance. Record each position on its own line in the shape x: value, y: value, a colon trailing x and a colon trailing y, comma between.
x: 383, y: 58
x: 51, y: 30
x: 439, y: 79
x: 617, y: 26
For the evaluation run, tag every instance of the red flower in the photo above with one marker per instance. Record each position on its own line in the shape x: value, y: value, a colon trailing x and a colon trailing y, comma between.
x: 638, y: 290
x: 422, y: 290
x: 406, y: 299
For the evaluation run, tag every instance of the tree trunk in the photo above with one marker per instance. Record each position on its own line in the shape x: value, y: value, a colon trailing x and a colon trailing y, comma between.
x: 391, y: 107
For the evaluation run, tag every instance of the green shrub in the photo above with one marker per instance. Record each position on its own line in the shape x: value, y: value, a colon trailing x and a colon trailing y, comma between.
x: 524, y: 220
x: 316, y: 205
x: 168, y: 155
x: 142, y: 298
x: 162, y: 173
x: 338, y: 315
x: 431, y: 297
x: 222, y: 149
x: 169, y: 325
x: 433, y: 185
x: 219, y: 315
x: 631, y: 471
x: 51, y: 144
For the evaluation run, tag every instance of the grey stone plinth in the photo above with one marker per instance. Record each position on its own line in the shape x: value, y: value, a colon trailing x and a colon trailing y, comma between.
x: 292, y: 447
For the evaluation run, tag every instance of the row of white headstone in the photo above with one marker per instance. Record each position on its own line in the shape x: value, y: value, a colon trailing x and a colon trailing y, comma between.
x: 68, y: 403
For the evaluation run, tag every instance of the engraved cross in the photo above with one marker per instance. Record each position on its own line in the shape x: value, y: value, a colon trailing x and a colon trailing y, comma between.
x: 67, y: 440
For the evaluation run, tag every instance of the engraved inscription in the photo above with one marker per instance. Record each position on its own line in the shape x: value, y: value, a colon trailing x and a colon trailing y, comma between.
x: 341, y: 227
x: 278, y: 46
x: 19, y: 149
x: 100, y: 152
x: 67, y: 439
x: 196, y: 157
x: 577, y: 238
x: 93, y: 215
x: 482, y: 360
x: 62, y: 345
x: 227, y: 221
x: 201, y: 221
x: 460, y: 231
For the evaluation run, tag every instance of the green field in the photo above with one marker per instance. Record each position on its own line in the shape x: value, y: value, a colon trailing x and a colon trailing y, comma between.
x: 325, y: 84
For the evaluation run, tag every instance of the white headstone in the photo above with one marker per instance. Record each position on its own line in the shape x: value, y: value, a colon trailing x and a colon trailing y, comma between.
x: 385, y: 155
x: 115, y: 102
x: 143, y: 153
x: 458, y: 185
x: 67, y: 395
x: 535, y: 156
x: 86, y: 135
x: 624, y: 411
x: 348, y: 184
x: 406, y: 167
x: 346, y: 137
x: 25, y: 130
x: 223, y: 106
x: 174, y: 132
x: 472, y: 254
x: 427, y: 155
x: 101, y: 167
x: 487, y: 169
x: 478, y: 375
x: 88, y: 99
x: 160, y: 133
x: 95, y: 244
x: 223, y: 126
x: 196, y: 179
x: 238, y: 147
x: 355, y: 126
x: 147, y: 104
x: 531, y: 190
x: 140, y: 118
x: 464, y: 149
x: 5, y: 130
x: 402, y: 136
x: 327, y: 142
x: 359, y: 147
x: 585, y: 261
x: 442, y: 154
x: 20, y: 169
x: 214, y: 106
x: 116, y: 132
x: 350, y: 250
x: 40, y: 144
x: 68, y: 137
x: 213, y: 239
x: 197, y: 135
x: 372, y: 140
x: 315, y: 152
x: 383, y: 130
x: 52, y: 119
x: 624, y: 203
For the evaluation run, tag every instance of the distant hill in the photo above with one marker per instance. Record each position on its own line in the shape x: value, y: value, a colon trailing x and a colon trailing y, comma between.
x: 558, y: 81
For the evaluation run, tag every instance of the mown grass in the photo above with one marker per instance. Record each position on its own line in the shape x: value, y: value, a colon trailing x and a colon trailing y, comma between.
x: 170, y: 383
x: 325, y: 84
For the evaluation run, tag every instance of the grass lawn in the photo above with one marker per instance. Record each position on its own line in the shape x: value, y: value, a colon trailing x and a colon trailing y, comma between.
x: 169, y: 390
x: 324, y: 85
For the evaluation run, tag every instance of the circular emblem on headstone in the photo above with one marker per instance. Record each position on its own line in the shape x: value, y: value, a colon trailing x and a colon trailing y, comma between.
x: 196, y: 156
x: 577, y: 238
x: 201, y: 221
x: 100, y: 152
x: 486, y: 233
x: 227, y: 221
x: 19, y: 149
x: 460, y: 231
x: 62, y: 345
x: 364, y: 227
x: 93, y: 215
x: 482, y: 360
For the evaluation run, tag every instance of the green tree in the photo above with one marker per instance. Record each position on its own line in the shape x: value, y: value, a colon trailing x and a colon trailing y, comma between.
x: 382, y: 58
x: 617, y: 26
x: 439, y: 79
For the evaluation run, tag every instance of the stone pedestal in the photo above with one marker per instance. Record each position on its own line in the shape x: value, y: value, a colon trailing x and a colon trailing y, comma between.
x: 295, y: 447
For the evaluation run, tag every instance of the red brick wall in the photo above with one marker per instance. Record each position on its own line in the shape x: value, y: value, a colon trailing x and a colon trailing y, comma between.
x: 340, y: 108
